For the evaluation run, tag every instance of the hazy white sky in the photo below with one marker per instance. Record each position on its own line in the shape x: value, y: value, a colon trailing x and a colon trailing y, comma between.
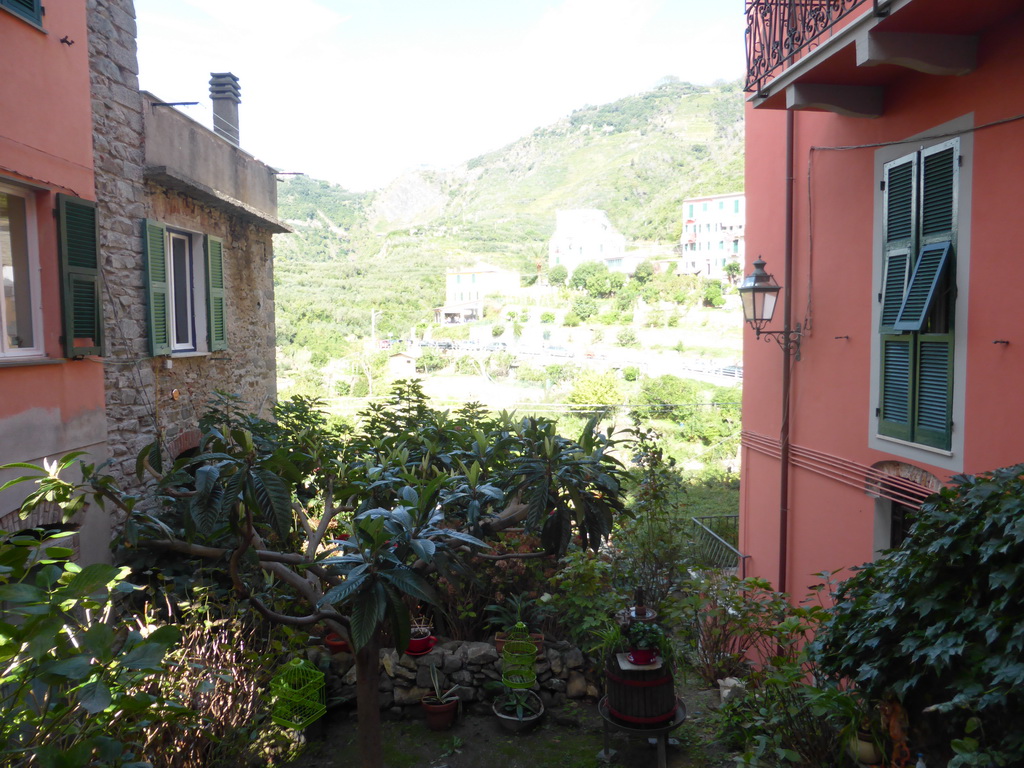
x: 358, y: 91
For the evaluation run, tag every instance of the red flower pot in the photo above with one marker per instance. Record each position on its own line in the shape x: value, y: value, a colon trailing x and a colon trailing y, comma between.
x: 421, y: 644
x: 335, y: 643
x: 642, y: 656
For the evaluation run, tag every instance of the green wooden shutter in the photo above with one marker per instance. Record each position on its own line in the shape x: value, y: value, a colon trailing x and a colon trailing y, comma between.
x: 939, y: 181
x: 78, y: 244
x: 28, y: 9
x: 157, y: 288
x: 894, y: 286
x: 895, y: 411
x: 932, y: 419
x: 928, y: 273
x: 215, y: 305
x: 899, y: 236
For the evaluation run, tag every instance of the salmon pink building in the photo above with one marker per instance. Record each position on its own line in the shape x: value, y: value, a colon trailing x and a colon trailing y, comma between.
x: 51, y: 329
x: 884, y: 158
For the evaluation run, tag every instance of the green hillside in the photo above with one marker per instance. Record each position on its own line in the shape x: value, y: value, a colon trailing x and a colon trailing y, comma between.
x: 636, y: 158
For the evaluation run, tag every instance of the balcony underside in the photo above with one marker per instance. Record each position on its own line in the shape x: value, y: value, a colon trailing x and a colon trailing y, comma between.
x: 846, y: 70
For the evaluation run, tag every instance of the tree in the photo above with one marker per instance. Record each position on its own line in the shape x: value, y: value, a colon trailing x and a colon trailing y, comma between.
x: 627, y: 338
x: 596, y: 393
x: 416, y: 489
x: 588, y: 274
x: 584, y: 307
x: 558, y: 274
x: 733, y: 270
x: 713, y: 293
x: 378, y: 585
x: 644, y: 272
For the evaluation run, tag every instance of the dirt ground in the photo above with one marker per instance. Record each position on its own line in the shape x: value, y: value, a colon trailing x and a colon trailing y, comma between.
x: 569, y: 737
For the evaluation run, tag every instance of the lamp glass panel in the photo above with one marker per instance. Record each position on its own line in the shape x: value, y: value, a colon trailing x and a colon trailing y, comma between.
x: 767, y: 308
x: 747, y: 297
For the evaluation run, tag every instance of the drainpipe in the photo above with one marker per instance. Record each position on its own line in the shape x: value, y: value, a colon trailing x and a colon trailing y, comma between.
x: 787, y: 319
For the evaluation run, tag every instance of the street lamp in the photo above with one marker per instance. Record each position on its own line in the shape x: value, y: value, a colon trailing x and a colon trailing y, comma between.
x: 759, y: 293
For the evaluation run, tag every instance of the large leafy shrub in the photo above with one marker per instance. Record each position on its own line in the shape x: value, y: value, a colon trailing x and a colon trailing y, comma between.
x: 77, y: 677
x: 939, y: 622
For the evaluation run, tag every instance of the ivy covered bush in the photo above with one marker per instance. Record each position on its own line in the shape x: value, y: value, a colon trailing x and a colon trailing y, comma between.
x: 939, y: 623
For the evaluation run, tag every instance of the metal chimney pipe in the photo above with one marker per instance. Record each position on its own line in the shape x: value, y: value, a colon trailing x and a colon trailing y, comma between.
x: 226, y: 96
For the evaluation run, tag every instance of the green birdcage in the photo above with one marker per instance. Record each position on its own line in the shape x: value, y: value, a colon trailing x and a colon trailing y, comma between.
x: 518, y: 658
x: 298, y: 695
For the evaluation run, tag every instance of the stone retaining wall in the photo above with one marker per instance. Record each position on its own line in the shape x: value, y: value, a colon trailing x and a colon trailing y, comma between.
x: 404, y: 680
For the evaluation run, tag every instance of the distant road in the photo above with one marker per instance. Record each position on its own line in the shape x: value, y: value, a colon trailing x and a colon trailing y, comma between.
x: 650, y: 362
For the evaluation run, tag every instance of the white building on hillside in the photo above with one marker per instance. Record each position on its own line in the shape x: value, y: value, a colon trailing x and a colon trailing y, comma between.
x: 586, y: 234
x: 466, y: 288
x: 712, y: 233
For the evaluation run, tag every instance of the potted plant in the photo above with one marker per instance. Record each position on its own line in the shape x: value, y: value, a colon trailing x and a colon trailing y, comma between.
x: 644, y: 640
x: 420, y: 639
x: 513, y: 610
x: 335, y: 643
x: 518, y: 709
x: 442, y: 706
x: 860, y: 733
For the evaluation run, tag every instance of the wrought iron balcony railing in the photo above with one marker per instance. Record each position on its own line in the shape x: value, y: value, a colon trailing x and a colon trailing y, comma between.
x: 780, y: 30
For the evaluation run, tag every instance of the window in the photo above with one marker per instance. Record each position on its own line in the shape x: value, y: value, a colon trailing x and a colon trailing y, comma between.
x: 32, y: 10
x: 185, y: 283
x: 21, y: 329
x: 19, y: 310
x: 918, y: 295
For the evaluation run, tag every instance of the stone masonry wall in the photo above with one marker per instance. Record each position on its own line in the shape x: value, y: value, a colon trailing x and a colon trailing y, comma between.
x: 247, y: 367
x: 147, y: 397
x: 561, y: 674
x: 119, y: 157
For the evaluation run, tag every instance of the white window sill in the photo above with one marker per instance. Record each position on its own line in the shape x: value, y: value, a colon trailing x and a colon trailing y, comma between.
x: 16, y: 362
x: 918, y: 446
x: 179, y: 355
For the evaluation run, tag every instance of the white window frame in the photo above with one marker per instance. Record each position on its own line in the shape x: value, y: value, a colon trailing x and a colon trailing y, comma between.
x: 916, y: 453
x: 35, y: 293
x: 175, y: 288
x: 196, y: 291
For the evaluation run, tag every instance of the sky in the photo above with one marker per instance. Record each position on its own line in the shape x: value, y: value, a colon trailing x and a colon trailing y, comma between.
x: 358, y: 92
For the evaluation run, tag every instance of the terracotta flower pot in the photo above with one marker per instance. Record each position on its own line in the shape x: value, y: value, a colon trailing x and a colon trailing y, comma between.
x: 440, y: 715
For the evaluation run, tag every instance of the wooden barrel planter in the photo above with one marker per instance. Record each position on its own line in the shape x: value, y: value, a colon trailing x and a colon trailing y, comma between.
x: 641, y: 696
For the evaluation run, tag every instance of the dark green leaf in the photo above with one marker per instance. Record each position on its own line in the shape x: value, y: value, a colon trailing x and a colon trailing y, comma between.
x: 274, y: 499
x: 94, y: 697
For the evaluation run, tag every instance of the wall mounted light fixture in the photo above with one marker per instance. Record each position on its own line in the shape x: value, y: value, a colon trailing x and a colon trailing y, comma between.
x: 759, y: 293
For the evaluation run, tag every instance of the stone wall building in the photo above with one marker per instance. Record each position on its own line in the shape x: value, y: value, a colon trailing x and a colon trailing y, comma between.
x: 186, y: 225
